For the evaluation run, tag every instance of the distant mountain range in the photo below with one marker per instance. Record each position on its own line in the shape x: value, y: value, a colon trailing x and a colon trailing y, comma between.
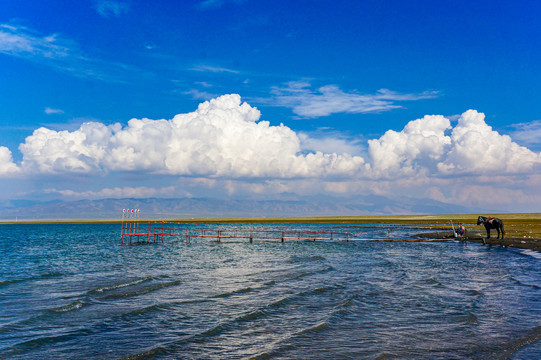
x: 152, y: 208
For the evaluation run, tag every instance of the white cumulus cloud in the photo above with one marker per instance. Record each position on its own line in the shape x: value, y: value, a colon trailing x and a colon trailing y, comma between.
x: 7, y: 166
x: 226, y: 139
x: 80, y: 151
x: 411, y: 150
x: 426, y: 147
x: 477, y: 149
x: 222, y: 138
x: 223, y: 147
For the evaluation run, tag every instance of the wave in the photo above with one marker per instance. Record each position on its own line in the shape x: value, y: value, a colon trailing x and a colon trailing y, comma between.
x: 288, y: 299
x: 6, y: 282
x: 471, y: 319
x: 513, y: 347
x: 520, y: 282
x: 386, y: 356
x: 22, y: 347
x: 144, y: 310
x: 76, y: 305
x: 301, y: 275
x: 303, y: 259
x: 279, y: 350
x: 160, y: 307
x: 143, y: 291
x: 31, y: 278
x: 473, y: 292
x: 234, y: 292
x: 319, y: 327
x: 343, y: 308
x: 121, y: 285
x: 532, y: 253
x: 49, y: 275
x: 280, y: 347
x: 432, y: 281
x: 170, y: 347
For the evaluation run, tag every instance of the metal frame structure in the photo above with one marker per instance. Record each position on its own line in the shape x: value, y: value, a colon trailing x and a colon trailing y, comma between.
x: 154, y: 232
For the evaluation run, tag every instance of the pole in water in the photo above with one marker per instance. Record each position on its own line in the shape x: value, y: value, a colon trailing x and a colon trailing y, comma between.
x: 454, y: 232
x: 122, y: 227
x: 137, y: 216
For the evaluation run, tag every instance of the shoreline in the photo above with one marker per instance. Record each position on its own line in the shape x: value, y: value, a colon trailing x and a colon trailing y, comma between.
x: 477, y: 236
x: 523, y: 230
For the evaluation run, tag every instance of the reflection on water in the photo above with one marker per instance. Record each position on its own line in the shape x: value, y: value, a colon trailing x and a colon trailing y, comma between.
x: 70, y: 291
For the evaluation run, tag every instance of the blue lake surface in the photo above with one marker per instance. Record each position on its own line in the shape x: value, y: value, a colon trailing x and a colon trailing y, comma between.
x: 72, y: 292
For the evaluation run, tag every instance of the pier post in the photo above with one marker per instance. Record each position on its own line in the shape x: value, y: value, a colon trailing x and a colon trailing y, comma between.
x: 282, y: 236
x: 137, y: 212
x: 219, y: 235
x: 251, y: 237
x: 122, y: 228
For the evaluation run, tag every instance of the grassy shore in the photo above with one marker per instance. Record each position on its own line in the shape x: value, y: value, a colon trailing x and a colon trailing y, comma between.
x: 516, y: 225
x: 522, y: 230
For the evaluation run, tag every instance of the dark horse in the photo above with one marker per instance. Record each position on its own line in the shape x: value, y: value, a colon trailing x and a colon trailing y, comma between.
x: 491, y: 223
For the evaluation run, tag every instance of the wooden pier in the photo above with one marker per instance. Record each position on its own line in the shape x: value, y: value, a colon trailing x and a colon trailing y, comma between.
x: 136, y: 231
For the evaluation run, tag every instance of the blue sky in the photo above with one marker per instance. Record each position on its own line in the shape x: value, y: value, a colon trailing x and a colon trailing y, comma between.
x: 340, y: 83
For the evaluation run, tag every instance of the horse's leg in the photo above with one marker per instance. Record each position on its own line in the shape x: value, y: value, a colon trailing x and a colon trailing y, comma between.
x: 488, y: 232
x: 503, y: 231
x: 498, y: 230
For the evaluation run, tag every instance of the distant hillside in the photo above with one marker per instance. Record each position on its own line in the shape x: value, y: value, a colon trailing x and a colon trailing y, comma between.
x: 204, y: 207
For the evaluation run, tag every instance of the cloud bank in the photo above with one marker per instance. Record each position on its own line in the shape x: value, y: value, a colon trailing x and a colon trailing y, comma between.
x: 225, y: 138
x: 224, y: 145
x: 222, y: 138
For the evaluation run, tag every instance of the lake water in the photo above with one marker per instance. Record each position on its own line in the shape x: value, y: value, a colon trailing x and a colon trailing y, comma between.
x: 72, y: 292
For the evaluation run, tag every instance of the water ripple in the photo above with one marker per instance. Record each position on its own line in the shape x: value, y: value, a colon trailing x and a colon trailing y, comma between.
x: 91, y: 298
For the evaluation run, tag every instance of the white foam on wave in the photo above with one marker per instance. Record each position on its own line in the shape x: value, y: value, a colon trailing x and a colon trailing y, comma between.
x: 532, y: 253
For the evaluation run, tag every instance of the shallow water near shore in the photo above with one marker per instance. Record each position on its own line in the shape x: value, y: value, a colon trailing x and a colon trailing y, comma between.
x: 71, y: 291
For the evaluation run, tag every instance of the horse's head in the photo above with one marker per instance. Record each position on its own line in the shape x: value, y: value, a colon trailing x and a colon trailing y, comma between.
x: 480, y: 220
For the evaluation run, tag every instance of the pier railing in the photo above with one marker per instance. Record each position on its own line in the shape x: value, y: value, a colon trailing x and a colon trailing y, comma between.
x: 135, y: 230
